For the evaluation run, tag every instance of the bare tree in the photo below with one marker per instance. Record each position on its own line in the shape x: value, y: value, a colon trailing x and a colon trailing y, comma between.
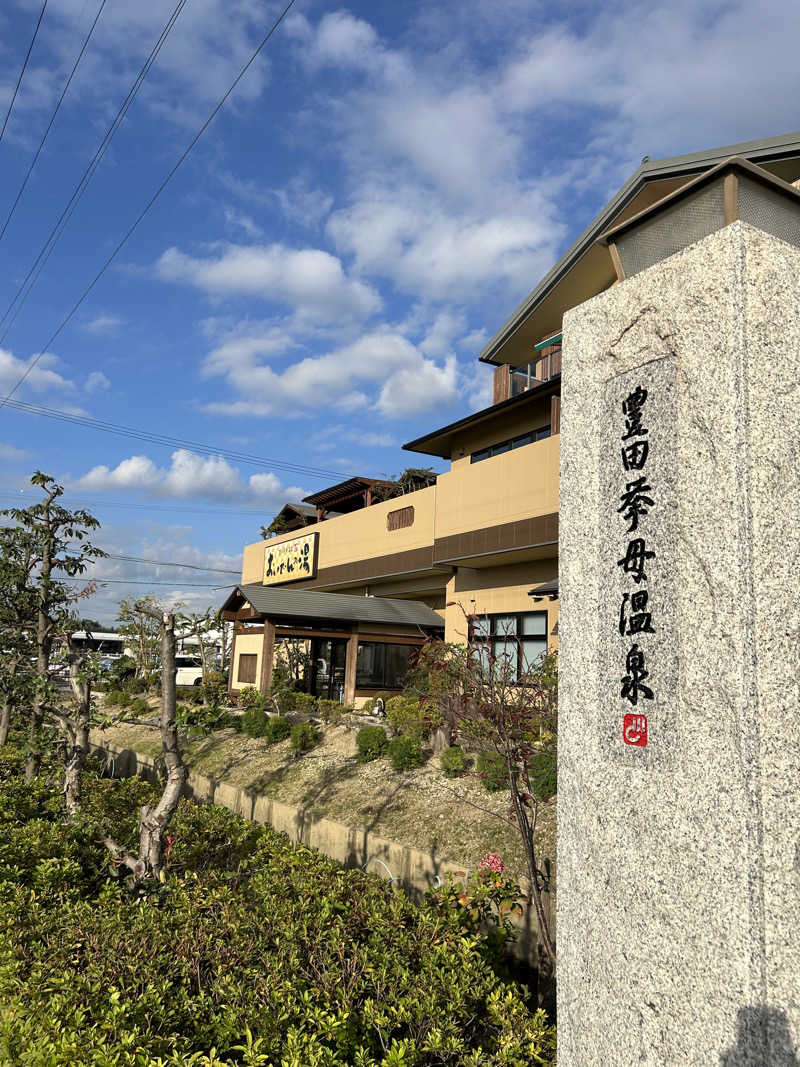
x: 153, y: 821
x: 492, y: 709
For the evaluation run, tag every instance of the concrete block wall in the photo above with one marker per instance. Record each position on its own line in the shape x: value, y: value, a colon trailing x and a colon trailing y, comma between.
x: 412, y: 869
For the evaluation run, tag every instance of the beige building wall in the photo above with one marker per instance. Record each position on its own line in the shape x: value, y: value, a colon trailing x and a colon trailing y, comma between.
x: 515, y: 485
x: 361, y: 534
x: 497, y: 590
x: 246, y: 644
x: 473, y: 439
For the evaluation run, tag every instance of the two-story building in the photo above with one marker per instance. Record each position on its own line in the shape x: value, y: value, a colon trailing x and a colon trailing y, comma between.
x: 371, y: 577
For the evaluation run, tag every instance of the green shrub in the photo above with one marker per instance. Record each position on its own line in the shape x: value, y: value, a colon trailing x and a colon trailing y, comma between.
x: 542, y: 769
x: 453, y: 761
x: 134, y: 685
x: 255, y: 721
x: 278, y: 729
x: 139, y: 706
x: 214, y: 689
x: 304, y: 703
x: 224, y: 953
x: 249, y: 696
x: 113, y: 697
x: 304, y: 737
x: 331, y: 711
x: 190, y: 694
x: 492, y: 769
x: 406, y: 718
x: 405, y: 753
x: 371, y: 742
x: 368, y: 706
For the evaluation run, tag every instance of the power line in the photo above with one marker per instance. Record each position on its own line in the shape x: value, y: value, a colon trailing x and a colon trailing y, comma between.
x: 61, y: 223
x: 24, y: 67
x: 138, y: 581
x: 95, y: 502
x: 171, y: 442
x: 129, y: 233
x: 52, y: 118
x: 171, y: 563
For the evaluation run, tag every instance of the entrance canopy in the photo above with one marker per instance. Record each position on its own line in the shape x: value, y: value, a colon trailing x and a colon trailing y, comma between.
x: 346, y: 647
x: 307, y: 605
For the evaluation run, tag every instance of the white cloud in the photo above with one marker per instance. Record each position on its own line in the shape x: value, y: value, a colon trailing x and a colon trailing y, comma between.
x: 96, y: 381
x: 104, y: 325
x: 11, y: 453
x: 188, y: 476
x: 383, y: 359
x: 42, y: 378
x: 310, y: 281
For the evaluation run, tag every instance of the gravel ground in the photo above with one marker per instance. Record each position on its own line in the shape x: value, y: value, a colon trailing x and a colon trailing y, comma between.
x: 455, y: 818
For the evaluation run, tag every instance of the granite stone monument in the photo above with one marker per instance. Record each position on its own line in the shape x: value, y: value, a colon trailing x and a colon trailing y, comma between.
x: 678, y: 915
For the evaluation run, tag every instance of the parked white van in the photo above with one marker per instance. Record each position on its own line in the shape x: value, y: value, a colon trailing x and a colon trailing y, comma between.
x: 188, y: 670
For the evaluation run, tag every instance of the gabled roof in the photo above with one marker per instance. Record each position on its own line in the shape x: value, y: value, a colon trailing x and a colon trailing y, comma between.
x: 277, y: 602
x: 586, y: 269
x: 306, y: 510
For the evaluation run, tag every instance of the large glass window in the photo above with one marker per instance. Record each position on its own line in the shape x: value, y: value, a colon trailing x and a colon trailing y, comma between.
x: 518, y: 640
x: 382, y: 666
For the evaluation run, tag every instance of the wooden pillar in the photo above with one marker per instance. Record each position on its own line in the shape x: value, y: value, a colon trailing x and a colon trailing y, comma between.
x: 555, y: 415
x: 232, y: 662
x: 350, y: 668
x: 267, y: 654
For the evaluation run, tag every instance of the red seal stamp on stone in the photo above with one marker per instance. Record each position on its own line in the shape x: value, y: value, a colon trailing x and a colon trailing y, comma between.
x: 634, y: 730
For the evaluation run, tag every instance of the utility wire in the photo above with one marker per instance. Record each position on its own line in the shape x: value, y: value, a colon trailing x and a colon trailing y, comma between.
x: 139, y: 581
x: 13, y: 494
x: 129, y: 233
x: 24, y: 67
x: 52, y: 118
x: 171, y: 442
x: 60, y: 225
x: 171, y: 563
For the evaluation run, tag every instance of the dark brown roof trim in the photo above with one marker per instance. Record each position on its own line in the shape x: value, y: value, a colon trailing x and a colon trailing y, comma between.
x: 426, y: 444
x: 763, y: 151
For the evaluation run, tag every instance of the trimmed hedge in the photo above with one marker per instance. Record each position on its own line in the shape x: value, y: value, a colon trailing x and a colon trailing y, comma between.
x: 491, y: 767
x: 406, y: 718
x: 371, y: 742
x: 304, y: 737
x: 262, y: 950
x: 278, y: 729
x: 453, y: 761
x: 405, y: 753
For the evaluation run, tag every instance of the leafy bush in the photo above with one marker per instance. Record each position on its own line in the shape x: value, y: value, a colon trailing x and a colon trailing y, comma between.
x: 368, y: 706
x: 405, y: 753
x: 304, y: 703
x: 406, y: 718
x: 371, y: 742
x: 542, y: 769
x: 492, y: 769
x: 255, y: 721
x: 304, y: 737
x: 278, y: 729
x: 249, y: 696
x: 224, y: 954
x: 134, y: 685
x: 118, y: 698
x: 453, y: 761
x: 331, y: 711
x: 190, y: 694
x: 139, y: 706
x: 214, y: 689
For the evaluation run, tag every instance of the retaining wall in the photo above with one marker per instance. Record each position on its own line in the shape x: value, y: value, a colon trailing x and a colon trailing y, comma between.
x: 412, y: 869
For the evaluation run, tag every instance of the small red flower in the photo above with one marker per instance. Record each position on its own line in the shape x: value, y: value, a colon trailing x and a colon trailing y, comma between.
x: 492, y: 862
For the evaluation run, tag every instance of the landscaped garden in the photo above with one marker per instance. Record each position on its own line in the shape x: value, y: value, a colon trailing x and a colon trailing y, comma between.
x: 250, y: 951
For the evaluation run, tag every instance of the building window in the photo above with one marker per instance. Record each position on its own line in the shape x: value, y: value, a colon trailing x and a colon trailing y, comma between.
x: 516, y: 639
x: 382, y: 666
x: 513, y: 442
x: 247, y: 668
x: 400, y: 519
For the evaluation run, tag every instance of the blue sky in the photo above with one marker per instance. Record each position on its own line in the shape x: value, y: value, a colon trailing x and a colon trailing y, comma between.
x: 314, y: 286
